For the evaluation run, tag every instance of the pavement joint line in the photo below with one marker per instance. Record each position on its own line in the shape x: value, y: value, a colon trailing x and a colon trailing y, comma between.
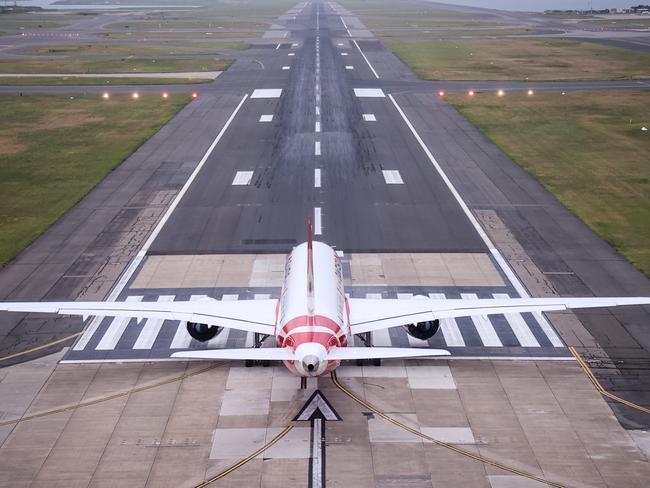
x: 505, y: 267
x: 113, y: 396
x: 585, y: 367
x: 135, y: 262
x: 446, y: 445
x: 42, y: 346
x: 251, y: 456
x: 364, y: 57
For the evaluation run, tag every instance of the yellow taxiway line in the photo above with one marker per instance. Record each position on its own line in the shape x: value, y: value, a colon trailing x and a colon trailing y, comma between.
x: 438, y: 442
x: 585, y: 367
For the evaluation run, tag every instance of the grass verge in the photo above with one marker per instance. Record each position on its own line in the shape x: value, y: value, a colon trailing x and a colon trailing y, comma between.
x: 99, y: 66
x: 519, y: 59
x: 108, y: 82
x: 587, y: 148
x: 53, y: 150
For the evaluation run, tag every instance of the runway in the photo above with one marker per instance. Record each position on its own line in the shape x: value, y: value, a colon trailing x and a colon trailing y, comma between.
x: 416, y: 200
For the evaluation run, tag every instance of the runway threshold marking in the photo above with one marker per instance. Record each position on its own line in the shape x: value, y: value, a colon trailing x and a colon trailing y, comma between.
x: 135, y: 262
x: 232, y: 468
x: 446, y: 445
x: 503, y: 264
x: 112, y: 396
x: 585, y: 367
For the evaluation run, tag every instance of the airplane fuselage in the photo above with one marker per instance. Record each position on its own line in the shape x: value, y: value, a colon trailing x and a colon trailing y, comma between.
x: 312, y: 320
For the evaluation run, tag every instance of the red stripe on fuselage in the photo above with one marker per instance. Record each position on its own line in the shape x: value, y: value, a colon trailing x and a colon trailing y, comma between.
x: 307, y: 321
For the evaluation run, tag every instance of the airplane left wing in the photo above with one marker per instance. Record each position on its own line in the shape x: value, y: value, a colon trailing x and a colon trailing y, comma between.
x: 368, y: 314
x: 247, y: 315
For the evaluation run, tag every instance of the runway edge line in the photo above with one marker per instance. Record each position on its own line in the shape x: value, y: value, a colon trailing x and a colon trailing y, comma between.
x: 133, y: 265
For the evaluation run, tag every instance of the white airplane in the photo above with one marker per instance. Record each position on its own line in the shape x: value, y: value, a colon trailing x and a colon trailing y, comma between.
x: 313, y: 321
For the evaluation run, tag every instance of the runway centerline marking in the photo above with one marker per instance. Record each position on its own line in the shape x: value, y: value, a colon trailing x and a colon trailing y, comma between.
x: 505, y: 267
x: 318, y: 223
x: 369, y: 117
x: 266, y: 118
x: 286, y: 68
x: 364, y: 57
x: 349, y: 67
x: 135, y: 262
x: 317, y: 127
x: 317, y: 178
x: 317, y: 148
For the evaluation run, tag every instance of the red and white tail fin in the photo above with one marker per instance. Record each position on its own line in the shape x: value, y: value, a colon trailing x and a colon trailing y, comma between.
x: 310, y: 268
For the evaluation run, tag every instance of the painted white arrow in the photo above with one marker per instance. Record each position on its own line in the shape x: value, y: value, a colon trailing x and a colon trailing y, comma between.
x: 317, y: 410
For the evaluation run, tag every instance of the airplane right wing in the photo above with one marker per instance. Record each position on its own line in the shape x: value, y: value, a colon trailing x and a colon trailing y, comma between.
x: 369, y: 314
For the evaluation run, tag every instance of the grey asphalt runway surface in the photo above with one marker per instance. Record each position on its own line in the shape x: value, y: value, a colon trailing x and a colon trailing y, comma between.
x: 83, y: 255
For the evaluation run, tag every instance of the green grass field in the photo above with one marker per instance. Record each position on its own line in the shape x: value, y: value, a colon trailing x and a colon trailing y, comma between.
x: 206, y: 24
x: 91, y: 66
x: 106, y: 50
x: 441, y: 34
x: 53, y: 150
x: 396, y: 23
x: 94, y: 81
x: 587, y: 148
x: 519, y: 59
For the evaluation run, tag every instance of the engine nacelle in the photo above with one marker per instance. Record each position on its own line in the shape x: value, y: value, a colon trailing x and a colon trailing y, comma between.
x: 203, y: 332
x: 423, y: 330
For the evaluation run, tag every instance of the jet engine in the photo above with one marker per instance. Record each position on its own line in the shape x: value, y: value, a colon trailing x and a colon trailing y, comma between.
x: 203, y: 332
x: 423, y: 330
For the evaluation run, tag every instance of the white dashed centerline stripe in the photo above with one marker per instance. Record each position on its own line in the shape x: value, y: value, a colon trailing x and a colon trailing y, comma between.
x: 505, y: 267
x: 318, y: 223
x: 317, y: 110
x: 266, y: 118
x: 317, y: 178
x: 317, y: 127
x: 349, y: 67
x: 135, y: 263
x: 317, y: 148
x: 369, y: 117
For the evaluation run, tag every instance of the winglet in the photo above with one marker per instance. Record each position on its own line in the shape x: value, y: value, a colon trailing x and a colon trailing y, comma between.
x: 310, y: 268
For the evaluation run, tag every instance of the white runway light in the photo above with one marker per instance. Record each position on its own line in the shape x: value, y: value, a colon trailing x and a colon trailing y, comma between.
x: 105, y: 96
x: 135, y: 95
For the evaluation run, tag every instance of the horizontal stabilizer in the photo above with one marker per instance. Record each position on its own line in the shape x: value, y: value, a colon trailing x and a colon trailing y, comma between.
x: 342, y: 353
x: 255, y: 354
